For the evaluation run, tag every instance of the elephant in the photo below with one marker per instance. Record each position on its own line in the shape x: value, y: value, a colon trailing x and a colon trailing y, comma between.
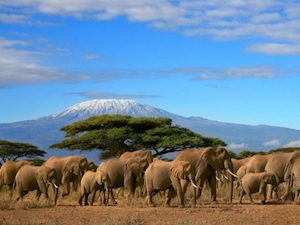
x: 30, y: 178
x: 69, y: 169
x: 8, y: 172
x: 276, y: 165
x: 256, y: 182
x: 121, y: 174
x: 162, y: 175
x: 91, y: 182
x: 292, y: 174
x: 206, y: 162
x: 145, y: 158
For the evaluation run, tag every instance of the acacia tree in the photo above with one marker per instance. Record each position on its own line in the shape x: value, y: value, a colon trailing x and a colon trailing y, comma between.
x: 115, y: 134
x: 15, y: 150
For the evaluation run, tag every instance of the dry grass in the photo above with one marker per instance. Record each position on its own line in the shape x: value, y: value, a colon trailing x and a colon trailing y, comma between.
x: 30, y: 212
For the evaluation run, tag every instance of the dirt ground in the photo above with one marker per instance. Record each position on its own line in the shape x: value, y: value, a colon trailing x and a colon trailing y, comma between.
x: 68, y: 212
x: 122, y: 215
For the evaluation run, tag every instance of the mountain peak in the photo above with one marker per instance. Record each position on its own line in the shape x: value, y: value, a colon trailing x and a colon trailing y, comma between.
x: 110, y: 106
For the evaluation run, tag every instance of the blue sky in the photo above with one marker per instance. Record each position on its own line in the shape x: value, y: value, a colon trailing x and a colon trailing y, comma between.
x: 235, y: 62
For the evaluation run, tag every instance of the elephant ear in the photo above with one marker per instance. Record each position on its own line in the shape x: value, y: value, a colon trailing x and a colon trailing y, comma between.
x: 269, y: 178
x: 180, y: 169
x: 289, y: 166
x: 42, y: 176
x: 210, y: 158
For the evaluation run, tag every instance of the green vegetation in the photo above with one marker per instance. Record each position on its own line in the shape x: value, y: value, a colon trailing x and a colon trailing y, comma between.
x: 247, y: 153
x: 115, y: 134
x: 15, y: 150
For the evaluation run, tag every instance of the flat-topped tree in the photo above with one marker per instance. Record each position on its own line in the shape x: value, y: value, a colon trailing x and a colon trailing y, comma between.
x: 115, y: 134
x: 15, y: 150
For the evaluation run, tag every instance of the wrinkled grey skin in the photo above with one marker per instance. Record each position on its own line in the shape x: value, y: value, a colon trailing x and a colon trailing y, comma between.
x: 68, y: 169
x: 8, y: 172
x: 92, y: 182
x: 292, y: 175
x: 162, y: 175
x: 31, y: 178
x: 121, y: 174
x: 256, y: 182
x: 206, y: 162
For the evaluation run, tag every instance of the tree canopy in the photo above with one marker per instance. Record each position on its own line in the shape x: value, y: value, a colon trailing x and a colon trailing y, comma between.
x: 115, y: 134
x: 15, y: 150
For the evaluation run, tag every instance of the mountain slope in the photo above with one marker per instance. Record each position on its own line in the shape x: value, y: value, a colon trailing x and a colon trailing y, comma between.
x: 46, y: 130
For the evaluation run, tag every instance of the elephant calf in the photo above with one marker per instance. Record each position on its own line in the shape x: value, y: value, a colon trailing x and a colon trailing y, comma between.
x: 256, y: 182
x: 91, y: 182
x: 30, y: 178
x: 161, y: 175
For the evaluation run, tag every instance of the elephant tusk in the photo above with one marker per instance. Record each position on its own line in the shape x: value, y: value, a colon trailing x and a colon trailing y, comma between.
x: 231, y: 173
x: 225, y: 177
x: 106, y: 189
x: 194, y: 185
x: 218, y: 179
x: 53, y: 184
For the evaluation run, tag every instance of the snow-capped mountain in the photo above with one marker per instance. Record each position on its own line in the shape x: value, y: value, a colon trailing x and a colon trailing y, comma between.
x: 46, y: 130
x: 111, y: 106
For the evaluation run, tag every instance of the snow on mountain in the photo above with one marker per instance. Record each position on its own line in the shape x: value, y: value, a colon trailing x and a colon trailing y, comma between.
x: 46, y: 130
x: 111, y: 106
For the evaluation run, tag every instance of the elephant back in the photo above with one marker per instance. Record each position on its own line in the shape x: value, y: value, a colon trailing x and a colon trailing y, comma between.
x: 9, y: 170
x: 27, y: 175
x: 277, y: 164
x: 144, y: 157
x: 115, y: 169
x: 56, y: 163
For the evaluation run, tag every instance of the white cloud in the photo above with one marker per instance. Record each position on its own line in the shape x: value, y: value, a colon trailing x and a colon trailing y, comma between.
x: 272, y: 143
x: 291, y: 144
x: 276, y: 49
x: 109, y: 95
x: 22, y: 66
x: 271, y: 20
x: 236, y: 146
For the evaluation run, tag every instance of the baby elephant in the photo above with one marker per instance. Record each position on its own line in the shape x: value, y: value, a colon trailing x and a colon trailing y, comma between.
x: 30, y: 178
x: 256, y: 182
x: 91, y: 182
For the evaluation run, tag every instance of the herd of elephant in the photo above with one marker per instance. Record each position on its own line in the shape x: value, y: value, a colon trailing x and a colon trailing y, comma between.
x: 138, y: 169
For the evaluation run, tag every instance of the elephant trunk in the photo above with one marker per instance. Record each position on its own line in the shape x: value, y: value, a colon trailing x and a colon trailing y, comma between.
x: 229, y: 168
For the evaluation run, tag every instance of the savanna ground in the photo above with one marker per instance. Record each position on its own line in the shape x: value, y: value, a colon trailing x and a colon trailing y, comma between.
x: 29, y: 212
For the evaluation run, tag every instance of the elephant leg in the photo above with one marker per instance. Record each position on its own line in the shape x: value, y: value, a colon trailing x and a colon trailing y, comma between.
x: 86, y: 197
x: 113, y: 200
x: 177, y: 186
x: 171, y: 194
x: 93, y: 197
x: 250, y: 197
x: 297, y: 196
x: 104, y: 199
x: 151, y: 193
x: 184, y: 185
x: 80, y: 199
x: 213, y: 189
x: 199, y: 191
x: 242, y: 193
x: 11, y: 189
x: 38, y: 194
x: 275, y: 193
x: 269, y: 192
x: 66, y: 189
